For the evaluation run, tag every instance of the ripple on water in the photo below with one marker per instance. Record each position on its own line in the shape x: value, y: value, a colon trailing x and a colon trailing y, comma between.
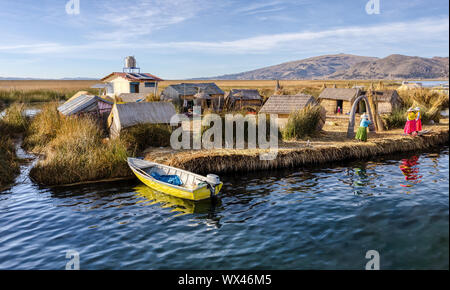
x: 305, y: 218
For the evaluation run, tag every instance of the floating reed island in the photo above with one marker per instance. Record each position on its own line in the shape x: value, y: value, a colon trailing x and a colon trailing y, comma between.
x: 328, y: 148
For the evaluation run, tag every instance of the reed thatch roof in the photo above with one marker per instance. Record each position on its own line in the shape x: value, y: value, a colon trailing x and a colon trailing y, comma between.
x: 243, y: 94
x: 345, y: 94
x: 190, y: 89
x: 130, y: 114
x: 390, y: 96
x: 286, y: 104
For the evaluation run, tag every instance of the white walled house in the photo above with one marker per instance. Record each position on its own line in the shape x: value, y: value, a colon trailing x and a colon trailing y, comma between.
x: 131, y: 83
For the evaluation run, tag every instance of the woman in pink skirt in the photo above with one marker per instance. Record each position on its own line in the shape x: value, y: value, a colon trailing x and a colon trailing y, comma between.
x: 410, y: 127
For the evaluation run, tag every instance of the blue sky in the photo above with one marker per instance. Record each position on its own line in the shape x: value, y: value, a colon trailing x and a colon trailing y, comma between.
x: 177, y: 39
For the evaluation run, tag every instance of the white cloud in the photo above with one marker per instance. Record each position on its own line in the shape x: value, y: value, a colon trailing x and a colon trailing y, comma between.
x: 344, y: 39
x: 124, y: 20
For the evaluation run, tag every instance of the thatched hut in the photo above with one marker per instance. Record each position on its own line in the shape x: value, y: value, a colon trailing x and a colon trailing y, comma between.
x: 332, y: 98
x: 129, y: 114
x: 86, y: 104
x: 241, y: 98
x: 386, y: 100
x: 284, y: 105
x: 185, y: 94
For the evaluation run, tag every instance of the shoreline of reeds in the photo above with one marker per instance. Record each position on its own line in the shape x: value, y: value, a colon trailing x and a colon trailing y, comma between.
x: 12, y: 125
x: 230, y: 161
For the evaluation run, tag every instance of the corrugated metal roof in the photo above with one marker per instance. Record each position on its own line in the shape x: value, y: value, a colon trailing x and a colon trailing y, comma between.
x: 339, y: 94
x: 130, y: 114
x: 82, y: 103
x: 286, y: 104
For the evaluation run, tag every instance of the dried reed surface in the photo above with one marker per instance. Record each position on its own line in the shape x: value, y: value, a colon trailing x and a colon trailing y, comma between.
x: 330, y: 147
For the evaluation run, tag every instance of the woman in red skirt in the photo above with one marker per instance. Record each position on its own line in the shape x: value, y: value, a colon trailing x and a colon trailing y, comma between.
x: 410, y: 126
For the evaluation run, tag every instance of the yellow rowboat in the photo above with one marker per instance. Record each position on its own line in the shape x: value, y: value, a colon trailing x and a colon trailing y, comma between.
x: 193, y: 187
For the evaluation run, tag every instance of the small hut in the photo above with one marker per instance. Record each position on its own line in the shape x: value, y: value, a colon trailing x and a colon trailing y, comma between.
x: 386, y: 100
x: 284, y: 105
x: 129, y: 114
x: 86, y: 104
x: 241, y: 98
x: 332, y: 98
x: 186, y: 92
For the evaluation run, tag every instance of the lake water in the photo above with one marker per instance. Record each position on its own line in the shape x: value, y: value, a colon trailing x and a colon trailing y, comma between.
x: 305, y: 218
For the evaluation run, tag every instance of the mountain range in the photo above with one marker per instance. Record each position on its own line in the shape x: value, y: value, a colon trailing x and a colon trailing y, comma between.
x: 348, y: 66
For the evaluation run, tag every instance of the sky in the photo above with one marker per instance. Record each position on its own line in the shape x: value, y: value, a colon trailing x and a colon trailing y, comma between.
x: 180, y: 39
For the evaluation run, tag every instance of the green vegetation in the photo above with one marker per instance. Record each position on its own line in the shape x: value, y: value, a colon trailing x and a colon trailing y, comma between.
x: 302, y: 123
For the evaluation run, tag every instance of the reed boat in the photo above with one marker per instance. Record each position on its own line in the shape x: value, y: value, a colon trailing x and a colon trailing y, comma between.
x: 188, y: 186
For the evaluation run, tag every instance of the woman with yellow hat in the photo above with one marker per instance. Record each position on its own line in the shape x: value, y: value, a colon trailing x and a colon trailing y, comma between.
x: 410, y: 126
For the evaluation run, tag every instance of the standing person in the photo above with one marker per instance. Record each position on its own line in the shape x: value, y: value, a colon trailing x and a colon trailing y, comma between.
x: 361, y: 134
x: 339, y: 110
x: 410, y: 126
x: 418, y: 120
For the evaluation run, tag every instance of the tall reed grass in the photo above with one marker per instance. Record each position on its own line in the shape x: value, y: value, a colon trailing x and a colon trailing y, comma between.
x: 302, y: 123
x: 74, y: 148
x: 13, y: 122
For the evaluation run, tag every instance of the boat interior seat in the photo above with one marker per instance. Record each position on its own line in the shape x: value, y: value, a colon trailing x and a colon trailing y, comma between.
x: 189, y: 181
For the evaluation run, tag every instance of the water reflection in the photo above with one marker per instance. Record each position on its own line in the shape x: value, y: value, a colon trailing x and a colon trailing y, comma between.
x: 410, y: 171
x: 204, y: 209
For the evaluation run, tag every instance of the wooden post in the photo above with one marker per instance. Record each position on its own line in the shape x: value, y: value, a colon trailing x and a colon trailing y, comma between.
x: 378, y: 122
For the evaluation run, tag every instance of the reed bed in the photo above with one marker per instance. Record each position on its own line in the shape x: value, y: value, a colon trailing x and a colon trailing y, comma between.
x: 37, y: 95
x: 75, y: 150
x: 302, y: 123
x: 12, y: 124
x: 228, y: 161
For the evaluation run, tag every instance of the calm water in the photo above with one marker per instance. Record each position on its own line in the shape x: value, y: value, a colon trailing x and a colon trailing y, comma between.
x: 317, y: 218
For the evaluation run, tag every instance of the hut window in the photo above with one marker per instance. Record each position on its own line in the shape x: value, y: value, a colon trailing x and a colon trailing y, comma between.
x: 149, y: 85
x: 134, y: 87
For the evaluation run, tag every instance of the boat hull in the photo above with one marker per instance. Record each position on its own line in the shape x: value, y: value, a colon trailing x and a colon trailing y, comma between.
x: 197, y: 194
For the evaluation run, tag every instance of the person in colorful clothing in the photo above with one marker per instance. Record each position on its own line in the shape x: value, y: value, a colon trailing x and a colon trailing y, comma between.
x: 418, y: 120
x: 410, y: 127
x: 361, y: 134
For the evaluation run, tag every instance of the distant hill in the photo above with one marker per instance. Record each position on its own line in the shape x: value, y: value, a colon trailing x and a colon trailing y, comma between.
x: 397, y: 66
x: 347, y: 66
